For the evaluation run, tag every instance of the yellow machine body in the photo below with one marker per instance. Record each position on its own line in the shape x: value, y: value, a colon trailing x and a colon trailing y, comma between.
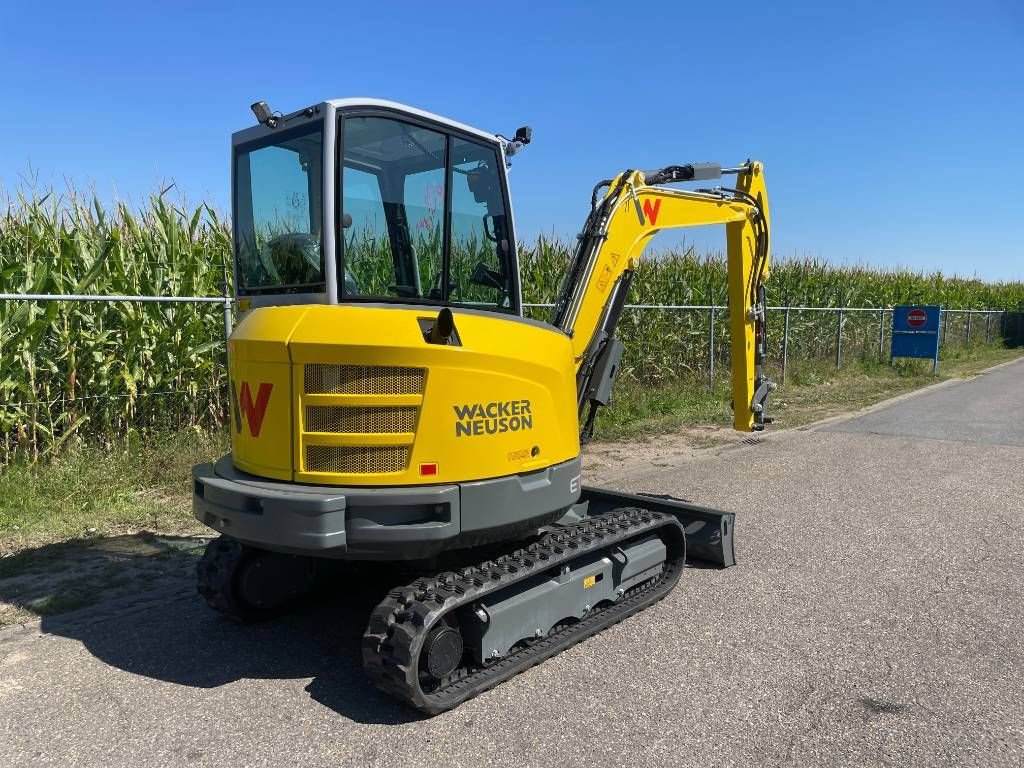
x: 361, y: 229
x: 390, y: 403
x: 354, y: 395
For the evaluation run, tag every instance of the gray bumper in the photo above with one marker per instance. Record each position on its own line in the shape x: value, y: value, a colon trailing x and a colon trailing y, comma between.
x: 378, y: 523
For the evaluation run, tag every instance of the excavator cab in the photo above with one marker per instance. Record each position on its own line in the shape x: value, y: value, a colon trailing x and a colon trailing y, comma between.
x: 412, y: 209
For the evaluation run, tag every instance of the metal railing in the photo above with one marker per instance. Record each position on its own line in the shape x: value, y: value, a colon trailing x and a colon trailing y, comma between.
x: 227, y: 302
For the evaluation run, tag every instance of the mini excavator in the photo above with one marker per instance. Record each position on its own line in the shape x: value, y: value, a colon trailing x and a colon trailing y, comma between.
x: 391, y: 403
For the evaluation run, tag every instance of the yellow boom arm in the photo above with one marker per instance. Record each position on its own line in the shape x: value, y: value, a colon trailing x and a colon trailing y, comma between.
x: 635, y: 208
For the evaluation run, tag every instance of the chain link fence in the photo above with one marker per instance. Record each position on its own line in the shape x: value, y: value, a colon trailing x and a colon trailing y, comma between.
x: 664, y: 343
x: 694, y: 338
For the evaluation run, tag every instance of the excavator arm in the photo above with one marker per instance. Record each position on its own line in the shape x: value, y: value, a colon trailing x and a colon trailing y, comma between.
x: 635, y: 206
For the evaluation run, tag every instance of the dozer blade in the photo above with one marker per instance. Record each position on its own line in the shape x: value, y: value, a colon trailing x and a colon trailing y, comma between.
x: 708, y: 531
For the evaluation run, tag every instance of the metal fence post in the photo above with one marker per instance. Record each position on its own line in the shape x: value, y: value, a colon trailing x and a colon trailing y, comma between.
x: 945, y: 321
x: 711, y: 351
x: 970, y: 313
x: 225, y: 291
x: 839, y: 338
x: 785, y: 344
x: 881, y: 332
x: 227, y: 318
x: 988, y: 325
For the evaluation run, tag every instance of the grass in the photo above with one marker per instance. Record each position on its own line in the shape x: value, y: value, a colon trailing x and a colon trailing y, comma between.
x: 815, y: 394
x: 91, y: 491
x: 814, y: 391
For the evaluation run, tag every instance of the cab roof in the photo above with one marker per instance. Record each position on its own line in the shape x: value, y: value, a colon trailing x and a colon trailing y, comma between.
x: 261, y: 131
x: 385, y: 104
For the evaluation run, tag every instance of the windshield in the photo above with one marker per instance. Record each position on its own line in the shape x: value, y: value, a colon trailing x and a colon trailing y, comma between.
x: 278, y: 213
x: 424, y: 217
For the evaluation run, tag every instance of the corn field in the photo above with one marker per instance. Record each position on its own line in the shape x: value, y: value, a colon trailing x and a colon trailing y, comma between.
x: 77, y: 370
x: 99, y: 369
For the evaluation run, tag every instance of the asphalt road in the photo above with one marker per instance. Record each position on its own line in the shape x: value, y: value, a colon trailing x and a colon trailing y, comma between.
x: 876, y: 618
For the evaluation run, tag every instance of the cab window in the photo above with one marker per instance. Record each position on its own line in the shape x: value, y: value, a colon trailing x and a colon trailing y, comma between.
x: 407, y: 163
x: 480, y: 243
x: 278, y: 213
x: 424, y: 217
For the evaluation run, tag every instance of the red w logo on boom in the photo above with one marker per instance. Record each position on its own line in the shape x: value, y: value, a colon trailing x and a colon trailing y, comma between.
x: 651, y: 210
x: 254, y: 411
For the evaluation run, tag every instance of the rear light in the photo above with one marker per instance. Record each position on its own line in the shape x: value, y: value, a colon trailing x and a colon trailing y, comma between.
x: 428, y: 470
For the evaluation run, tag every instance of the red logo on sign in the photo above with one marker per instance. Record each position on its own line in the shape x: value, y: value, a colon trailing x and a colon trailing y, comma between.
x: 254, y: 411
x: 651, y: 211
x: 916, y: 318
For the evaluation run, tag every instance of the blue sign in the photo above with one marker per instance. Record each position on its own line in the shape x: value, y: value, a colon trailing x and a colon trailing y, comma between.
x: 915, y: 333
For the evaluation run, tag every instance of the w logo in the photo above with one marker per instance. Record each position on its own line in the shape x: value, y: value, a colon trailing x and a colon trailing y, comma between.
x: 252, y: 410
x: 651, y: 210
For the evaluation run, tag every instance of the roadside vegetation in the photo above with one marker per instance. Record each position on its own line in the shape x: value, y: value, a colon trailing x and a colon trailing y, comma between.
x: 815, y: 390
x: 81, y: 373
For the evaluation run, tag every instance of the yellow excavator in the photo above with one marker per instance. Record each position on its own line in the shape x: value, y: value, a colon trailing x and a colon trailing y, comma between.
x: 391, y: 403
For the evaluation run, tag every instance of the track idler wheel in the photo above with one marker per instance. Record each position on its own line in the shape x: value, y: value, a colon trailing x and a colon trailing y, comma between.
x: 248, y: 584
x: 442, y: 651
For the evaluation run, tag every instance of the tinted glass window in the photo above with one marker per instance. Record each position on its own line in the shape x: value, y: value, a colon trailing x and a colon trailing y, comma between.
x: 415, y: 202
x: 482, y: 270
x: 367, y: 241
x: 408, y: 164
x: 278, y: 213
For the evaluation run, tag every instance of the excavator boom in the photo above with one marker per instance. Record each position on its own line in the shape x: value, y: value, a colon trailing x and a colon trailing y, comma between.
x: 635, y: 207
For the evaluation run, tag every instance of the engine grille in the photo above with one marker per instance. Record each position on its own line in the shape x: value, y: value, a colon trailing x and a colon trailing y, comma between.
x: 323, y: 379
x: 389, y: 416
x: 356, y: 459
x: 380, y: 420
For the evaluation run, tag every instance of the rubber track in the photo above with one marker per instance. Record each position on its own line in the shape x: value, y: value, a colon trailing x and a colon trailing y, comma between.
x: 399, y: 625
x: 215, y: 573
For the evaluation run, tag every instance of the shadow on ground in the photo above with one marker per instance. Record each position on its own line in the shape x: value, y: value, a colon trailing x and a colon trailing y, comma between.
x: 158, y: 627
x: 62, y: 577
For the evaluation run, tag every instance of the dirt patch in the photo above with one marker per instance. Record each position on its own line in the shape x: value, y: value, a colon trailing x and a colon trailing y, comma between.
x: 606, y: 461
x: 59, y: 578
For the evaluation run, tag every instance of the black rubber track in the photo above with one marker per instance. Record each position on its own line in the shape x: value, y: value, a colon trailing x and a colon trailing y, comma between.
x: 224, y: 563
x: 401, y: 622
x: 215, y: 578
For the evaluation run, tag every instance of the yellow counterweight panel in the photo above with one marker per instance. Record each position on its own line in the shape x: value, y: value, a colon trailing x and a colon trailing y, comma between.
x: 261, y: 397
x: 372, y: 403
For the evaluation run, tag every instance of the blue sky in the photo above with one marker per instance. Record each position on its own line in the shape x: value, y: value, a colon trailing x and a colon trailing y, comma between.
x: 891, y: 132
